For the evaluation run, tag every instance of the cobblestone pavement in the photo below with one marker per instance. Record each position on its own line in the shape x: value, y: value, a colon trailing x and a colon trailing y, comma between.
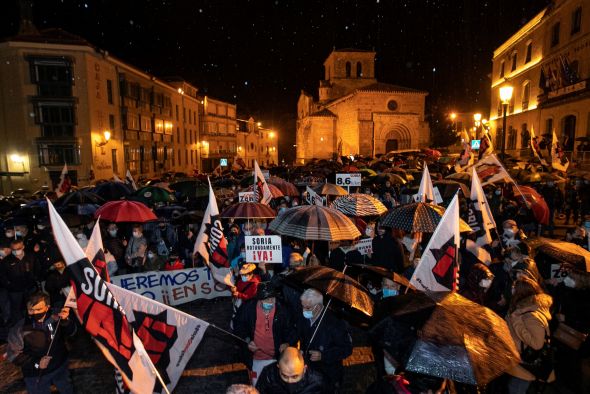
x: 214, y: 366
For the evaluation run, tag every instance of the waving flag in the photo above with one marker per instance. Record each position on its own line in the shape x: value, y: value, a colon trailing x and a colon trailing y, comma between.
x: 535, y: 147
x: 169, y: 336
x: 262, y: 192
x: 438, y: 269
x: 65, y: 183
x: 485, y: 147
x: 480, y: 219
x: 558, y: 159
x: 466, y: 156
x: 490, y: 170
x: 426, y: 191
x: 102, y: 315
x: 211, y: 243
x: 129, y: 180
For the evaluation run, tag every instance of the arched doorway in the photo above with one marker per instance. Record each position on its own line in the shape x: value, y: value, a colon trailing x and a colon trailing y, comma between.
x: 391, y: 145
x: 568, y: 132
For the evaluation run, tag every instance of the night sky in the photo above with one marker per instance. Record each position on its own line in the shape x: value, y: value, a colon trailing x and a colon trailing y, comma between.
x: 260, y: 54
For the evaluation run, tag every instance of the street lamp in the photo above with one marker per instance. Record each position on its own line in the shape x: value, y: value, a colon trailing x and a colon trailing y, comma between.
x: 505, y: 97
x: 453, y: 117
x: 477, y: 119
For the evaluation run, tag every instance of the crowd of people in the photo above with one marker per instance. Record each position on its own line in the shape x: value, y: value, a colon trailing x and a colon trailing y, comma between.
x: 293, y: 342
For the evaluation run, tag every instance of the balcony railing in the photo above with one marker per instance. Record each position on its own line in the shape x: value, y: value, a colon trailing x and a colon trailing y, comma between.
x: 564, y: 92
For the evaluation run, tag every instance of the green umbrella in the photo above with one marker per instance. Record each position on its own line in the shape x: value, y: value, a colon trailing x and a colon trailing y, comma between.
x: 152, y: 195
x: 191, y: 188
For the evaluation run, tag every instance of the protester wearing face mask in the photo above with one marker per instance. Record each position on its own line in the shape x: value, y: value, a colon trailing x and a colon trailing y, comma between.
x: 4, y: 300
x: 513, y: 237
x: 82, y: 240
x: 265, y: 324
x: 291, y: 376
x: 153, y: 262
x: 19, y: 277
x: 234, y: 240
x: 113, y: 242
x: 479, y: 280
x: 389, y: 288
x: 37, y: 346
x: 136, y: 248
x: 57, y: 280
x: 238, y: 261
x: 247, y: 284
x: 332, y: 342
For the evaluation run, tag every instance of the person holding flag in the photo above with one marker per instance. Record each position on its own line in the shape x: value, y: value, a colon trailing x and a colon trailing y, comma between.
x: 558, y: 159
x: 485, y: 146
x: 438, y: 269
x: 536, y: 148
x: 466, y: 156
x: 262, y: 192
x: 211, y: 243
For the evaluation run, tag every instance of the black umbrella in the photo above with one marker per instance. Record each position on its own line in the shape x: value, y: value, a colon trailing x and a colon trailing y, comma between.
x: 79, y: 197
x: 112, y: 190
x: 381, y: 272
x: 169, y: 212
x: 448, y: 336
x: 335, y: 284
x: 188, y: 217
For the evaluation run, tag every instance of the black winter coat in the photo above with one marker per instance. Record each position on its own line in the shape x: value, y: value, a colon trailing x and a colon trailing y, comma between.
x: 270, y: 382
x: 28, y: 342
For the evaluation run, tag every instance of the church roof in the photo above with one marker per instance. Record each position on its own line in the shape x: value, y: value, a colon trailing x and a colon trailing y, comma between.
x: 326, y: 113
x: 386, y: 87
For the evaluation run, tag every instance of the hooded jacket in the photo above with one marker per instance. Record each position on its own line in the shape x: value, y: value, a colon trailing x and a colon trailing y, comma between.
x: 528, y: 325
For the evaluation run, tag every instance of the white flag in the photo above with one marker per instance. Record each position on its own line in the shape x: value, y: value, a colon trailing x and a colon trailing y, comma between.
x: 438, y: 269
x: 481, y: 220
x: 211, y: 243
x: 101, y: 314
x: 65, y: 183
x: 558, y: 159
x: 426, y: 191
x: 262, y: 192
x: 129, y: 180
x: 490, y: 170
x: 170, y: 335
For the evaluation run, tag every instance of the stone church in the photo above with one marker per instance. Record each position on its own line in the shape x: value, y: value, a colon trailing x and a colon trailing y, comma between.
x: 356, y: 114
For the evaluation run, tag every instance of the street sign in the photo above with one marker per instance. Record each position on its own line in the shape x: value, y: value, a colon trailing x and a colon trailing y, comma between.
x: 475, y: 144
x: 223, y: 162
x: 264, y: 249
x: 246, y: 197
x: 353, y: 179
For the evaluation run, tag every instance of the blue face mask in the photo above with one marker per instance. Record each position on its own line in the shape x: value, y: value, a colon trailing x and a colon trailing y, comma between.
x: 267, y: 306
x: 308, y: 314
x: 244, y: 278
x: 390, y: 293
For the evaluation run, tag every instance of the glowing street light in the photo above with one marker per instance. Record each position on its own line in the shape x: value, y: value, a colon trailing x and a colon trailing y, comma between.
x: 505, y: 97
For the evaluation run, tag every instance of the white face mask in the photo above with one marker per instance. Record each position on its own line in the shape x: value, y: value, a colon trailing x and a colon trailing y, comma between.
x: 569, y: 282
x: 509, y: 232
x: 485, y: 283
x: 369, y: 232
x: 150, y: 255
x: 9, y: 234
x: 136, y: 234
x: 113, y: 233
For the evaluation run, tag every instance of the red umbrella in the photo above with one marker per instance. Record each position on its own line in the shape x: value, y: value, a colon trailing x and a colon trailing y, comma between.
x: 287, y: 188
x: 248, y: 210
x: 535, y: 201
x: 125, y: 211
x: 349, y: 169
x: 275, y: 191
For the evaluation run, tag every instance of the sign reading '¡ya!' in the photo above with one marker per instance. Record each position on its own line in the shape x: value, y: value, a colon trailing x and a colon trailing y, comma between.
x: 264, y: 249
x: 353, y: 179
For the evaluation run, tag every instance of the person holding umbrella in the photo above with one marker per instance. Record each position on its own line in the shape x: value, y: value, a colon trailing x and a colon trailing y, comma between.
x: 331, y: 343
x: 37, y: 345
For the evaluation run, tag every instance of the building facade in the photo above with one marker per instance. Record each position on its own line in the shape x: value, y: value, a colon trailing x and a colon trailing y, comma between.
x: 218, y: 132
x: 64, y: 101
x: 256, y: 143
x: 547, y: 62
x: 356, y: 114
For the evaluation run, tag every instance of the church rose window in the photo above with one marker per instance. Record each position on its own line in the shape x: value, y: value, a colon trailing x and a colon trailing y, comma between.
x: 392, y: 105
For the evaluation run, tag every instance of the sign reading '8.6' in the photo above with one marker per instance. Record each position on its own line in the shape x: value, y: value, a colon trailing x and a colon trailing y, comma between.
x: 348, y: 179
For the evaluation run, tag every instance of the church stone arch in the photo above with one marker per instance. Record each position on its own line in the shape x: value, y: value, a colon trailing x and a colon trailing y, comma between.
x: 397, y: 138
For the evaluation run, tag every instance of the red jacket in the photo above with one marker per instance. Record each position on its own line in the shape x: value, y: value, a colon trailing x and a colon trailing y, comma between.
x: 247, y: 290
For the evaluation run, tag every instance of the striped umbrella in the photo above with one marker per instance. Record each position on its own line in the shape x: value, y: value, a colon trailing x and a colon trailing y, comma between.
x: 287, y: 188
x: 314, y: 222
x: 359, y: 204
x: 418, y: 217
x: 248, y: 210
x: 329, y: 189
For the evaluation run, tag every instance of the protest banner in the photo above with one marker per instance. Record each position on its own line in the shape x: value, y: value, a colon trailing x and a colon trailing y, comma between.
x: 264, y: 249
x: 365, y: 246
x: 174, y: 287
x: 353, y: 179
x: 313, y: 198
x: 246, y: 197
